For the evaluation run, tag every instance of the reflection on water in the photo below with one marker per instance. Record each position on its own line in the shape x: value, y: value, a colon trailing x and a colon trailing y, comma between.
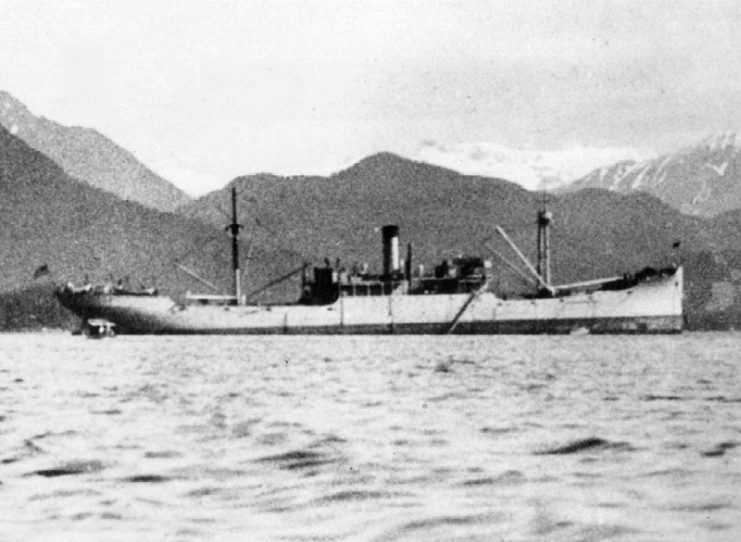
x: 370, y: 438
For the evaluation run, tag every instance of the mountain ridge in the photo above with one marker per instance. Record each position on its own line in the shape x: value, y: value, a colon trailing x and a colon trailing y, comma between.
x: 702, y: 179
x: 532, y: 169
x: 89, y: 156
x: 52, y: 219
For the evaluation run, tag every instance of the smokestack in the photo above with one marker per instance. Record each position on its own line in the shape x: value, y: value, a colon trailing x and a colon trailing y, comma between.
x: 408, y: 269
x: 390, y: 249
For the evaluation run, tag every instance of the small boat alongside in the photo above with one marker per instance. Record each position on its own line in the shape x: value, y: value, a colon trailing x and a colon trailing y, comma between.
x: 98, y: 328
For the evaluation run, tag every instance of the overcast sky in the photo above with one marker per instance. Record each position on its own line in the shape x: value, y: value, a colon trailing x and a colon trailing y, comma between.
x: 203, y: 91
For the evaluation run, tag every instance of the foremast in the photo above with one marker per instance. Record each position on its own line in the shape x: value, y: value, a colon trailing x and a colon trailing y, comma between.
x: 233, y: 229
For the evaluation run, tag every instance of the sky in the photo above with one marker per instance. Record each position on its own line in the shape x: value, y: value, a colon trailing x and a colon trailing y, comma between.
x: 204, y: 91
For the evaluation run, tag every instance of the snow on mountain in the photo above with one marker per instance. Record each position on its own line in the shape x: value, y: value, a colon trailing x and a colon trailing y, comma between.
x: 702, y: 179
x: 722, y: 141
x: 530, y: 169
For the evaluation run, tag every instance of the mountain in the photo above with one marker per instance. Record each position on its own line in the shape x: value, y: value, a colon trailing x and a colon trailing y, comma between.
x: 704, y: 179
x: 91, y: 157
x: 55, y: 229
x: 597, y: 233
x: 533, y: 170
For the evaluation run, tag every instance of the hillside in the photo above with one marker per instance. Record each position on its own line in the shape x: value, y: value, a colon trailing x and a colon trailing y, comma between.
x: 441, y: 211
x: 50, y: 219
x: 91, y: 157
x: 704, y: 179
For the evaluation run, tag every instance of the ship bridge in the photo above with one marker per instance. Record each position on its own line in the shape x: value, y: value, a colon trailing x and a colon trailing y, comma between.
x: 464, y: 274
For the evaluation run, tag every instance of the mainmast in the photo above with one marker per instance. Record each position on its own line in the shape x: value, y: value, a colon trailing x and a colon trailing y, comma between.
x: 234, y: 228
x: 544, y: 244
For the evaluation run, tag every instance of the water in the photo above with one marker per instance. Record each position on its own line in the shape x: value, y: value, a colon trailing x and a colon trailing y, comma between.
x: 370, y: 438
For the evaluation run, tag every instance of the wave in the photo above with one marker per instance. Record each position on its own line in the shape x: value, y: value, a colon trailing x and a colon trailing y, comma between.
x: 356, y: 495
x: 720, y: 449
x: 147, y: 479
x: 713, y: 398
x: 163, y: 454
x: 69, y: 468
x: 500, y: 430
x: 510, y: 477
x: 434, y: 528
x: 586, y: 444
x: 651, y: 397
x: 109, y: 412
x: 724, y: 399
x: 299, y: 460
x: 447, y: 366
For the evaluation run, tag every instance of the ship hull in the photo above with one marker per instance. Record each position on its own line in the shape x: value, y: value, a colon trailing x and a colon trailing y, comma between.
x: 652, y: 306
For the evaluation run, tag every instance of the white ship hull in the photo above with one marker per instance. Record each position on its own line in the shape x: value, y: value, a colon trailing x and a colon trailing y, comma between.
x: 651, y: 306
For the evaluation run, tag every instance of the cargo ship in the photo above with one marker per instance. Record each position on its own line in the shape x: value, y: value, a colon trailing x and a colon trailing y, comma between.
x: 455, y: 298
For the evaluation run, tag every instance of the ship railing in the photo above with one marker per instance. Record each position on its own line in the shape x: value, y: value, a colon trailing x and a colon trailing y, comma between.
x: 210, y: 298
x: 586, y: 283
x: 373, y: 288
x: 419, y: 285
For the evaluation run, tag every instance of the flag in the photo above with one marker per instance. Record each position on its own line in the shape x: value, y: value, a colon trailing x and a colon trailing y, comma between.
x: 41, y: 271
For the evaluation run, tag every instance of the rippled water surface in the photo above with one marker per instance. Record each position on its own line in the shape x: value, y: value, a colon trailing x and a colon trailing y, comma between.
x: 370, y: 438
